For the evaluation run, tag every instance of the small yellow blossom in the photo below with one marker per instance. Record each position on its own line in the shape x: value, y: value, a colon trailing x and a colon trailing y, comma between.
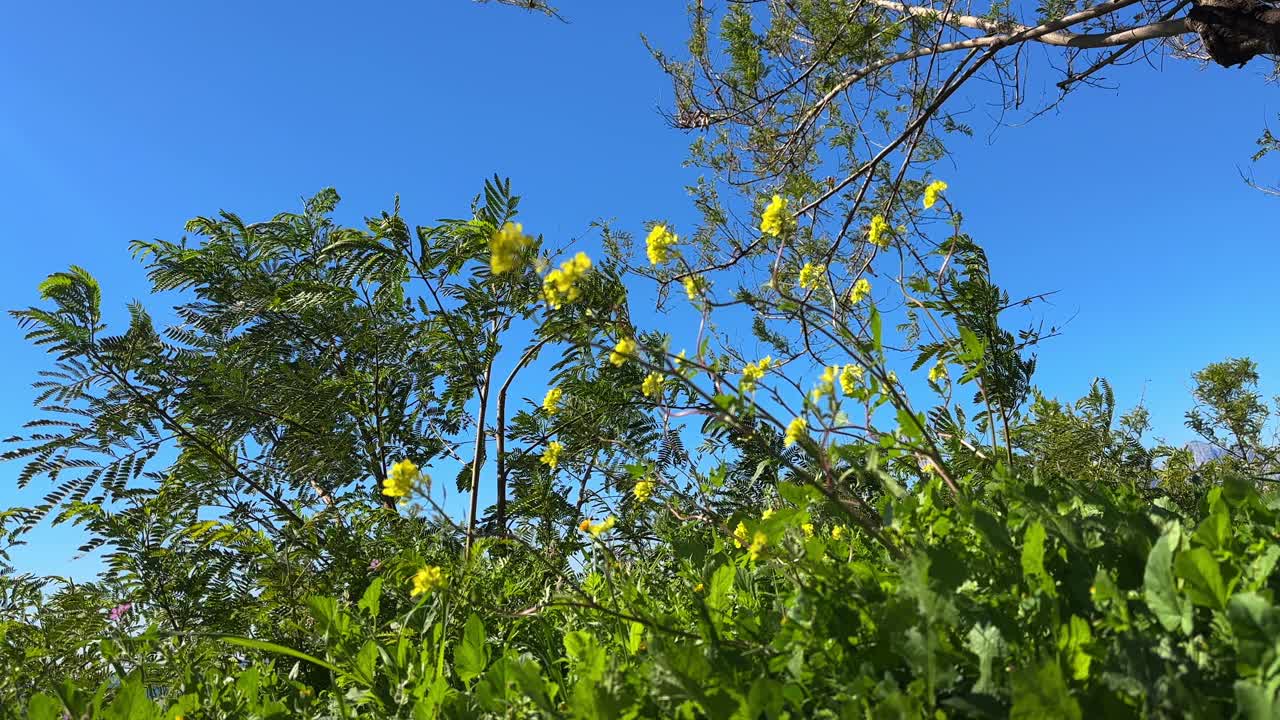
x: 938, y: 372
x: 698, y: 588
x: 600, y: 528
x: 643, y: 490
x: 694, y: 286
x: 808, y: 529
x: 551, y: 403
x: 877, y: 235
x: 585, y: 525
x: 561, y: 286
x: 893, y: 378
x: 771, y: 223
x: 839, y: 532
x: 652, y: 385
x: 859, y: 292
x: 625, y: 348
x: 752, y: 372
x: 401, y: 478
x: 931, y: 192
x: 659, y: 244
x: 551, y: 456
x: 507, y: 247
x: 849, y: 378
x: 757, y: 545
x: 795, y: 429
x: 740, y: 535
x: 811, y: 276
x: 768, y: 513
x: 826, y: 384
x: 427, y: 579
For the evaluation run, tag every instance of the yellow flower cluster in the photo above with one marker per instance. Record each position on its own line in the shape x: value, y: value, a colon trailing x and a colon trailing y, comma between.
x: 931, y: 192
x: 758, y: 542
x: 643, y: 490
x: 859, y: 292
x: 598, y: 529
x: 427, y: 579
x: 561, y: 285
x: 826, y: 384
x: 807, y: 528
x: 652, y: 385
x: 740, y: 535
x: 878, y: 235
x: 938, y: 372
x: 551, y: 403
x: 625, y: 348
x: 401, y: 478
x: 694, y: 286
x: 752, y: 372
x: 551, y: 456
x: 839, y: 532
x: 774, y: 218
x: 849, y: 378
x: 659, y: 244
x: 507, y: 247
x: 795, y: 430
x: 811, y: 275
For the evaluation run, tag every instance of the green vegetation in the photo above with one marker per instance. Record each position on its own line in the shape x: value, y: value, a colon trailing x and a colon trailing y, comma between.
x: 883, y: 517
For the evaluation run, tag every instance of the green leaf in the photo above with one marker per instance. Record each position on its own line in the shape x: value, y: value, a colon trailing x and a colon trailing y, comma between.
x: 471, y: 657
x: 271, y: 647
x: 1204, y: 584
x: 1158, y: 585
x: 1042, y: 693
x: 370, y: 602
x: 43, y: 707
x: 985, y: 642
x: 587, y: 655
x: 1033, y: 559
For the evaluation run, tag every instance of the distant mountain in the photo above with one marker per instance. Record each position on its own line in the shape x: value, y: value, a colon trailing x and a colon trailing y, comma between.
x: 1204, y: 452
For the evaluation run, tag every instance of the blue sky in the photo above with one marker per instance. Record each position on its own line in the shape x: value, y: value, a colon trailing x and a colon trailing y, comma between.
x: 122, y: 120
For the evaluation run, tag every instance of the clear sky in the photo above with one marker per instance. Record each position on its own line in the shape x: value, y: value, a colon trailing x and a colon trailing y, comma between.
x: 122, y: 120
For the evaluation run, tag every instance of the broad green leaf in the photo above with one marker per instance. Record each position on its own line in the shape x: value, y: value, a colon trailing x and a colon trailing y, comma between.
x: 1158, y: 585
x: 370, y: 602
x: 985, y: 642
x: 1203, y: 577
x: 1041, y: 693
x: 1033, y: 570
x: 587, y: 655
x: 471, y: 656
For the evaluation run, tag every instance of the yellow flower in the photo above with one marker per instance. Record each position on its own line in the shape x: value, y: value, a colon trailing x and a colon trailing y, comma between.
x: 643, y: 490
x: 659, y: 244
x: 740, y: 535
x: 551, y: 456
x: 808, y: 529
x: 838, y: 532
x: 811, y: 276
x: 757, y: 545
x: 598, y: 529
x: 768, y: 513
x: 694, y: 285
x: 849, y: 378
x: 698, y: 588
x: 625, y: 348
x: 585, y: 525
x: 561, y: 286
x: 551, y: 403
x: 774, y: 217
x: 859, y: 291
x: 931, y: 192
x: 752, y: 372
x: 877, y: 234
x: 652, y: 385
x: 938, y: 372
x: 797, y: 427
x: 427, y: 579
x: 401, y: 478
x: 826, y: 384
x: 507, y: 248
